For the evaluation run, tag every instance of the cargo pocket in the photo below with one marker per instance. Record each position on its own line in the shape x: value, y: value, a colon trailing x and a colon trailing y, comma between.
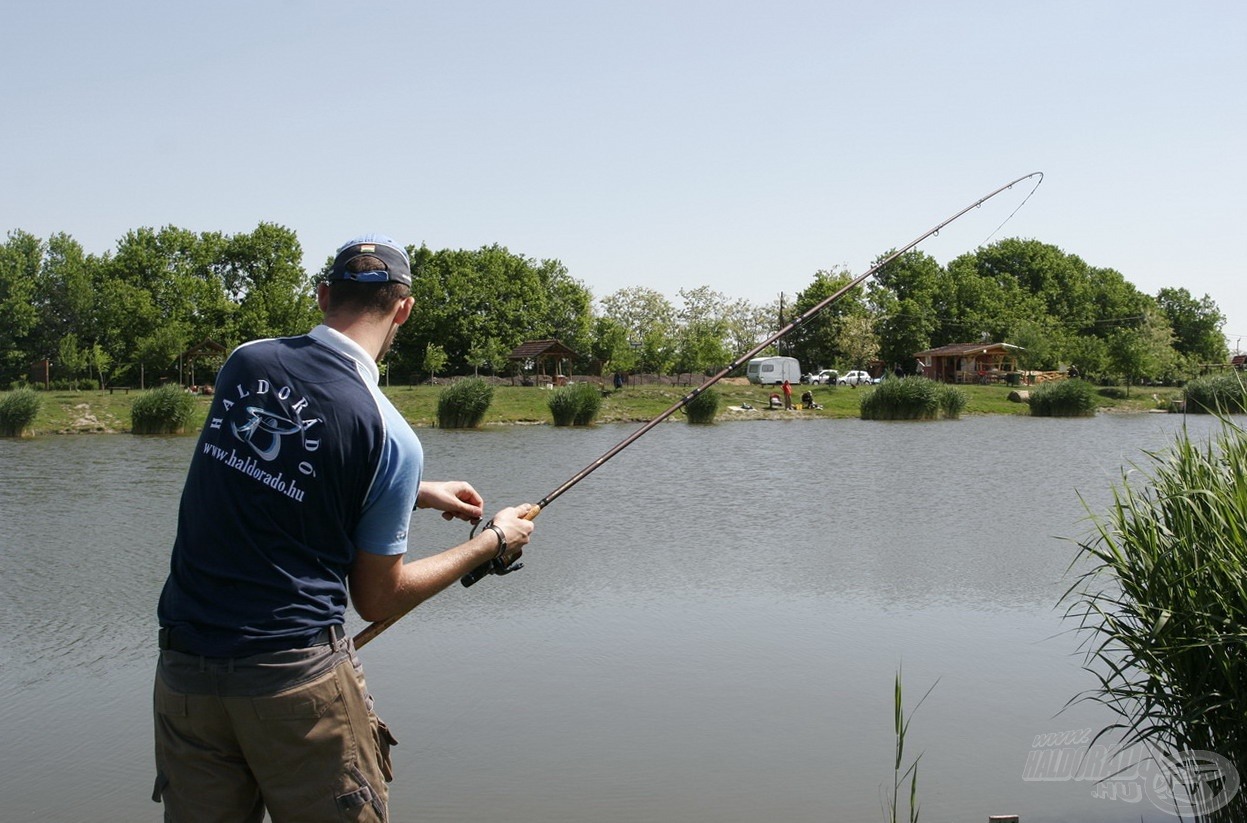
x: 383, y: 739
x: 356, y: 804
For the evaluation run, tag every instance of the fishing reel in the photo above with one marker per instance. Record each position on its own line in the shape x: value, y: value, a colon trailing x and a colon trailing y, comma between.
x: 504, y: 562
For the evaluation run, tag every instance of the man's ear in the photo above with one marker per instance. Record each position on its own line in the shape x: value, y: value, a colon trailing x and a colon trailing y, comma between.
x: 404, y: 310
x: 322, y: 295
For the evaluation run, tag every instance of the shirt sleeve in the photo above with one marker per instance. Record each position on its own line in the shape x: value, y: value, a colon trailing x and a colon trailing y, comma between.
x: 386, y: 517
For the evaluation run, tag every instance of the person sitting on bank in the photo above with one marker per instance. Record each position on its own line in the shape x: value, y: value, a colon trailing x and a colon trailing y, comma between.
x: 776, y: 401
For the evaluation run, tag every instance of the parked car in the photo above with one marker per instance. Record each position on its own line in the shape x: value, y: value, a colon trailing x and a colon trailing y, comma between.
x: 856, y: 378
x: 828, y: 376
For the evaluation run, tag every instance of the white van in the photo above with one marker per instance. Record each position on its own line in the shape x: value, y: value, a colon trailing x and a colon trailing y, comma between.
x: 770, y: 371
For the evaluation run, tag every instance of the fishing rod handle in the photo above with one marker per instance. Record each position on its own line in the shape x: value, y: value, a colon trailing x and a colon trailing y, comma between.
x: 505, y: 562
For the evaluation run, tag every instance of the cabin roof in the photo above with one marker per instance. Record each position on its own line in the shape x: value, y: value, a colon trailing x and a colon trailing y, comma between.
x: 962, y: 349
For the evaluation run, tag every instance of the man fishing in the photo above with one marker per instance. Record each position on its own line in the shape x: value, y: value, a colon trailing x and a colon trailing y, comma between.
x: 300, y: 491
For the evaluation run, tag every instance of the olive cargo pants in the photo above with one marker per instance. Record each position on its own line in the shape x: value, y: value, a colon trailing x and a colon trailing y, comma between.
x: 230, y: 746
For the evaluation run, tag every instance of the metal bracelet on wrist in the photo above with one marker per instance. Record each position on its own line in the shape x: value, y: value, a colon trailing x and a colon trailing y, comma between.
x: 502, y: 540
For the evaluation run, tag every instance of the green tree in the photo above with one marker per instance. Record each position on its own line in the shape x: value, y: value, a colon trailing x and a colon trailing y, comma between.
x: 818, y: 341
x: 857, y: 340
x: 102, y: 362
x: 70, y: 358
x: 20, y: 259
x: 904, y: 294
x: 1141, y: 352
x: 1088, y: 353
x: 435, y: 359
x: 703, y: 333
x: 1196, y: 325
x: 262, y: 275
x: 468, y: 296
x: 610, y: 347
x: 649, y: 320
x: 65, y: 294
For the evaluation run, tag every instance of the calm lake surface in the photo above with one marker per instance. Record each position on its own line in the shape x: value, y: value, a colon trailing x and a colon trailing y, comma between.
x: 708, y: 628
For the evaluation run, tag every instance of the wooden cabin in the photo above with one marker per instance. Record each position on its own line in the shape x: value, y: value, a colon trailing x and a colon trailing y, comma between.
x: 969, y: 362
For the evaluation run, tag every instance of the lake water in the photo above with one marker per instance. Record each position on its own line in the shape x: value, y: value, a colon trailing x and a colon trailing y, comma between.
x: 708, y: 627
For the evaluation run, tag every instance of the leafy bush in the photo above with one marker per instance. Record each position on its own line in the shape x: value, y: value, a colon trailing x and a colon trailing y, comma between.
x: 462, y: 404
x: 165, y: 410
x: 1063, y: 398
x: 575, y: 405
x: 18, y: 410
x: 73, y: 384
x: 1216, y: 394
x: 1163, y: 602
x: 912, y: 398
x: 703, y: 407
x: 1114, y: 393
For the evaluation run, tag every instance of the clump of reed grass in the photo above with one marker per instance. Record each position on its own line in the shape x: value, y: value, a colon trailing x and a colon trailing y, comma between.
x: 575, y: 405
x: 1216, y: 394
x: 463, y: 404
x: 912, y: 398
x: 1063, y: 398
x: 18, y: 409
x: 166, y: 410
x: 703, y: 408
x: 1162, y: 603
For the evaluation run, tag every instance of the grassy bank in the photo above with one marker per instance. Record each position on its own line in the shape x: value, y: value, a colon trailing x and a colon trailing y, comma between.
x: 94, y: 411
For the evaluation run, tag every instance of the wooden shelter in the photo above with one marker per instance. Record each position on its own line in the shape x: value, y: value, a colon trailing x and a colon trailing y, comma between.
x: 204, y: 349
x: 542, y: 353
x: 969, y: 362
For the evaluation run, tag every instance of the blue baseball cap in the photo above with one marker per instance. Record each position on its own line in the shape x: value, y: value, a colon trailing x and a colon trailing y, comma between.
x: 387, y: 250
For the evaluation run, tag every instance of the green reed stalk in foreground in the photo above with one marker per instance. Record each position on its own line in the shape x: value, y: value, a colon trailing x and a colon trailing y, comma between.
x: 1163, y: 604
x: 891, y: 805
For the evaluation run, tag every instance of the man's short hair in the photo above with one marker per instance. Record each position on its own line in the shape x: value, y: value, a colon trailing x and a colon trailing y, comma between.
x: 370, y: 274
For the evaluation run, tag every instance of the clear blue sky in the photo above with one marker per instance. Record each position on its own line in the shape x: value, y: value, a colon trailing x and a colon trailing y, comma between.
x: 669, y: 144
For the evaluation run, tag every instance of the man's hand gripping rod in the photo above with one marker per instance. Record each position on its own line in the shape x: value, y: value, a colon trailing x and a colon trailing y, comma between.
x: 506, y: 563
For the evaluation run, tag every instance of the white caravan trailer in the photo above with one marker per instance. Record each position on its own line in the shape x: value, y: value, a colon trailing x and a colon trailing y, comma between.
x: 770, y: 371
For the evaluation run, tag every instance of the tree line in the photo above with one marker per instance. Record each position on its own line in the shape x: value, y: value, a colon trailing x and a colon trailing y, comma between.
x: 130, y: 315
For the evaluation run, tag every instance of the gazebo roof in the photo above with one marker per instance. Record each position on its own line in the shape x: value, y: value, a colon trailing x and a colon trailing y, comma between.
x: 540, y: 350
x: 202, y: 348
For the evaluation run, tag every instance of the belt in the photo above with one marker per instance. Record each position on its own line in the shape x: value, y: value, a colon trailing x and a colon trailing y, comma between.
x: 168, y: 640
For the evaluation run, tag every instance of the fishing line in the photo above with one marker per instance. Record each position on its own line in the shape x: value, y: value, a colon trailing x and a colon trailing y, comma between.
x: 507, y: 562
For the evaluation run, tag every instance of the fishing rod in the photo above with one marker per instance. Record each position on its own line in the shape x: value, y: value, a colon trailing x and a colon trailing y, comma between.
x: 507, y: 562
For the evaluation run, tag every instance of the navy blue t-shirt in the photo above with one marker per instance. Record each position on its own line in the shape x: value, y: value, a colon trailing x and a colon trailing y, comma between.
x: 301, y: 463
